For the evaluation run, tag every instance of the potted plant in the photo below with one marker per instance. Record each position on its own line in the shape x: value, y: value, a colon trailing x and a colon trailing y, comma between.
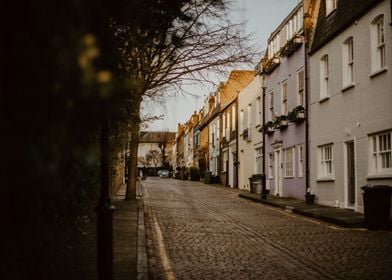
x: 281, y: 122
x: 267, y: 128
x: 297, y: 114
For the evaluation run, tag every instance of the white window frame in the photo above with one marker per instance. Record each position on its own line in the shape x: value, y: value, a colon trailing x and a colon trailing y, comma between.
x: 284, y: 95
x: 300, y: 172
x: 271, y: 105
x: 289, y: 162
x: 224, y: 125
x: 233, y: 117
x: 325, y: 162
x: 330, y: 6
x: 324, y: 77
x: 380, y: 156
x: 259, y: 111
x: 271, y: 165
x: 301, y: 87
x: 242, y: 123
x: 258, y: 159
x: 377, y: 39
x: 348, y: 62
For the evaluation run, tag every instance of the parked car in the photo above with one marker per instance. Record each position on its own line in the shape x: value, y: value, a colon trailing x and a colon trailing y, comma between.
x: 164, y: 174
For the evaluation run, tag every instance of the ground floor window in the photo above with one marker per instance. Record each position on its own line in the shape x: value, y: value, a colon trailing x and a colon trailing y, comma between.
x: 289, y: 162
x: 325, y: 161
x: 259, y: 161
x: 271, y: 165
x: 381, y: 153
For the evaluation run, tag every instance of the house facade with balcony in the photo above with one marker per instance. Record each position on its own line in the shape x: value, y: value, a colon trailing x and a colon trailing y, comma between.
x: 285, y: 106
x: 350, y: 95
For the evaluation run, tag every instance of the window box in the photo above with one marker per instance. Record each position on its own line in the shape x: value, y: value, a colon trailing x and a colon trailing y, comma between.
x: 281, y: 122
x: 291, y: 46
x: 267, y: 128
x: 297, y: 114
x: 270, y: 65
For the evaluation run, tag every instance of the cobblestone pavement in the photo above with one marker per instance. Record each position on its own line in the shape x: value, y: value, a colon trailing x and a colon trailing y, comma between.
x: 198, y: 231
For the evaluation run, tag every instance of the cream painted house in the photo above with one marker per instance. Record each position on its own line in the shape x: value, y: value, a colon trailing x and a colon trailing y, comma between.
x: 250, y: 140
x: 350, y: 66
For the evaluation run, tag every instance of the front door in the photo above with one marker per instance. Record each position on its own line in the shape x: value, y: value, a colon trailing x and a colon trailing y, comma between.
x: 278, y: 173
x: 235, y: 170
x: 350, y: 175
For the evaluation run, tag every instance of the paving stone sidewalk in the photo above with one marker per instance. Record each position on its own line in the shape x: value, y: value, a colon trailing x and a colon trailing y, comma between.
x: 338, y: 216
x: 129, y: 254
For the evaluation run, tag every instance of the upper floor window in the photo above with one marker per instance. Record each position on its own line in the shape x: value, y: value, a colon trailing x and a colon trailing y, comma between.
x: 378, y: 44
x: 330, y: 6
x: 224, y: 125
x: 271, y: 106
x: 284, y: 98
x: 301, y: 87
x: 249, y: 115
x: 259, y: 110
x: 242, y: 125
x: 233, y: 118
x: 348, y: 62
x: 381, y: 153
x: 324, y: 77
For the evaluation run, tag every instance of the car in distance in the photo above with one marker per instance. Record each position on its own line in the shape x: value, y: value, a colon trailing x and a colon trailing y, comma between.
x: 164, y: 174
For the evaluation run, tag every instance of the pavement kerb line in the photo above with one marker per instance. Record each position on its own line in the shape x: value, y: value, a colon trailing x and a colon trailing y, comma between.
x: 162, y: 252
x: 142, y: 263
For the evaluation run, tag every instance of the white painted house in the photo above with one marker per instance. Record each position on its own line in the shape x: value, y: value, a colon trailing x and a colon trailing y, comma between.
x: 350, y: 66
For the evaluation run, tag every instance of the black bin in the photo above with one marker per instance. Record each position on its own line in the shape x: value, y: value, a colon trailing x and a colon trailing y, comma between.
x: 207, y: 177
x: 377, y: 206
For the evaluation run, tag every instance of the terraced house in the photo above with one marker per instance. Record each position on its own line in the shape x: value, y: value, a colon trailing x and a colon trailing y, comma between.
x: 283, y: 71
x: 351, y: 100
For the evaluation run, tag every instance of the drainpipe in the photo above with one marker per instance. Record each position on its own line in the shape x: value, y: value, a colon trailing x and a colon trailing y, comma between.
x: 263, y: 178
x: 307, y: 109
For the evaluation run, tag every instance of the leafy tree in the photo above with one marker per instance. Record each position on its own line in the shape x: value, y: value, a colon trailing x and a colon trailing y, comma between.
x: 195, y: 37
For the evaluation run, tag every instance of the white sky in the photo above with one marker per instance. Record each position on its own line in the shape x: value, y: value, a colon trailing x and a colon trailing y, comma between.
x: 262, y: 17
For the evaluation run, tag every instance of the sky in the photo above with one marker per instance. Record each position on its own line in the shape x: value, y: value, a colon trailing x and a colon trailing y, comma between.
x: 261, y: 17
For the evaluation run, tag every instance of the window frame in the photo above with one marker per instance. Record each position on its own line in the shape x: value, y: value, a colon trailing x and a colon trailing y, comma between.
x: 284, y: 98
x: 348, y: 62
x: 378, y: 157
x: 289, y: 166
x: 301, y: 91
x: 330, y: 6
x: 324, y: 76
x: 300, y: 169
x: 326, y: 161
x: 377, y: 40
x: 271, y: 105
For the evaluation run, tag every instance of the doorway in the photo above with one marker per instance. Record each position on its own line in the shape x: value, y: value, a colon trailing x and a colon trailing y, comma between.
x: 278, y: 172
x: 350, y: 175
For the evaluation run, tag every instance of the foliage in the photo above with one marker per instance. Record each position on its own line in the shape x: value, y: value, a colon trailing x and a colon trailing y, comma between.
x: 290, y: 47
x: 293, y: 115
x: 269, y: 65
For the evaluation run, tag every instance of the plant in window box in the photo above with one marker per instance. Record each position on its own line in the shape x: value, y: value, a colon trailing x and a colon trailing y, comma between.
x: 297, y: 114
x: 291, y: 46
x: 267, y: 128
x: 270, y: 64
x: 281, y: 122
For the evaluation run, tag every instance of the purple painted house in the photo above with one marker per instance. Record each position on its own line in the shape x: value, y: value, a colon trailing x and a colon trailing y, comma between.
x: 283, y: 70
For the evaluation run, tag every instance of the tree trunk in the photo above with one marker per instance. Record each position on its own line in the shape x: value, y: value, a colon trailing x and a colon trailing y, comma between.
x: 132, y: 166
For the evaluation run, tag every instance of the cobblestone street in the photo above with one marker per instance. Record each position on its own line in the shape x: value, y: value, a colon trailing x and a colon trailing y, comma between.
x: 198, y: 231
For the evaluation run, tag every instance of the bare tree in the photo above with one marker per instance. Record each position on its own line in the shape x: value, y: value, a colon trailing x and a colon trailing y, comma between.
x: 155, y: 157
x: 199, y: 40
